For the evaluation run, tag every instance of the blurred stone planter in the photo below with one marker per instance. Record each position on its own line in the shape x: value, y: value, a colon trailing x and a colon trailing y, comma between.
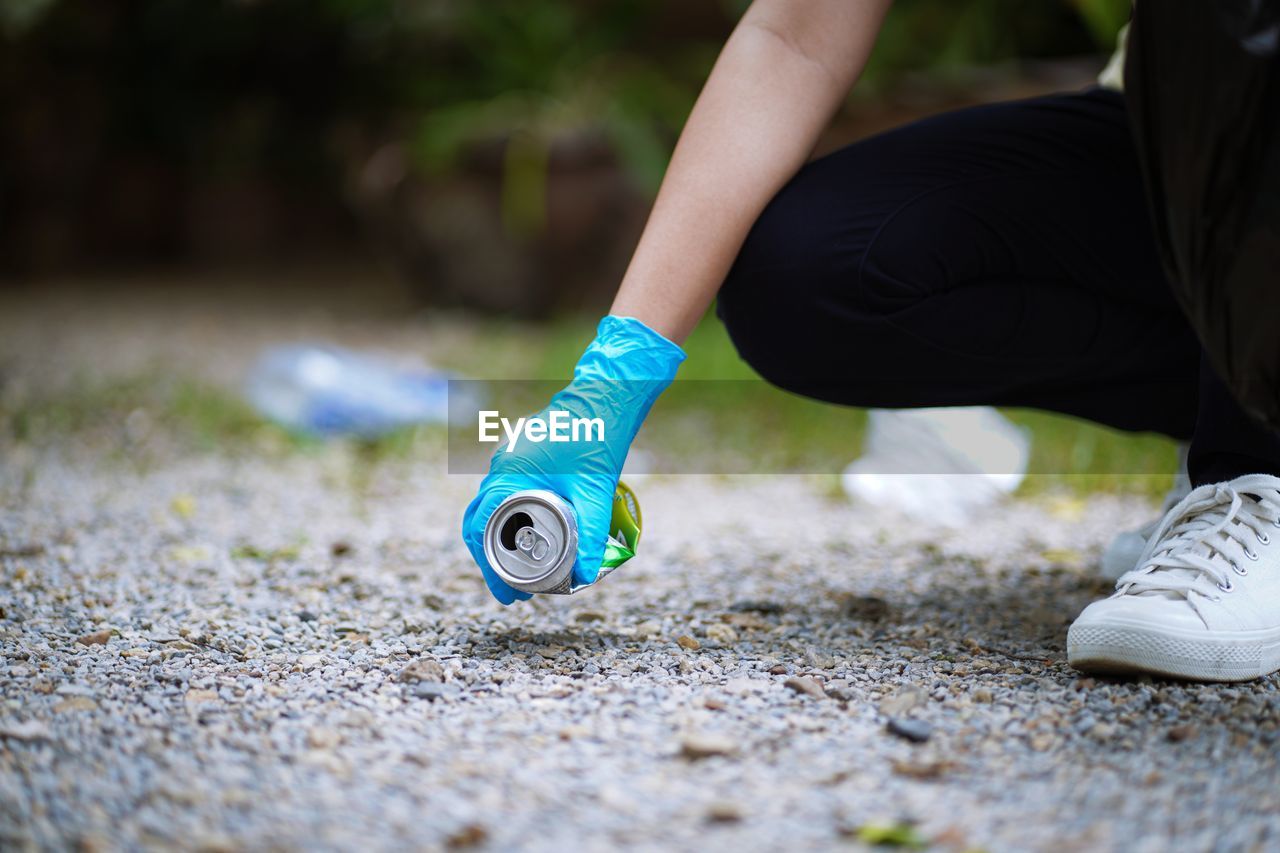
x: 449, y: 235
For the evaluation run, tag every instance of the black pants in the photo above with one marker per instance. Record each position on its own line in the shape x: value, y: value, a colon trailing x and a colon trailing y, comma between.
x: 998, y: 255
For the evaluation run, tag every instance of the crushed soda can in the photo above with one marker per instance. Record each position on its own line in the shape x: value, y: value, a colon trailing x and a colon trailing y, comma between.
x: 531, y: 540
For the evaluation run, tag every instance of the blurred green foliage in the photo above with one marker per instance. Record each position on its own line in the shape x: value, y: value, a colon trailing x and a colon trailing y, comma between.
x: 125, y: 411
x: 1104, y: 18
x: 927, y: 35
x: 17, y: 15
x: 538, y: 72
x: 535, y: 71
x: 231, y: 83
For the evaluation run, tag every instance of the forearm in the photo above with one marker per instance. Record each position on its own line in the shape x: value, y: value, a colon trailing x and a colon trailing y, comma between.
x: 778, y: 81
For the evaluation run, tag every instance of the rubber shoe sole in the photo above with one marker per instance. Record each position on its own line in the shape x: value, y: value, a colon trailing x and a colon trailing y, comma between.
x: 1123, y: 649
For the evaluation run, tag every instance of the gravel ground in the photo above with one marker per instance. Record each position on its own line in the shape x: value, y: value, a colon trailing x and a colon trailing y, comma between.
x: 237, y: 649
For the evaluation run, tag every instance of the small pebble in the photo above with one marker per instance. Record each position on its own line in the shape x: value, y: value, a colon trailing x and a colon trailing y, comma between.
x: 805, y: 686
x: 97, y: 638
x: 433, y: 690
x: 322, y: 738
x: 28, y: 730
x: 902, y: 700
x: 648, y: 629
x: 75, y: 703
x: 752, y: 605
x: 722, y: 634
x: 724, y: 811
x: 819, y: 659
x: 916, y: 731
x: 866, y: 607
x: 697, y: 746
x: 1102, y: 731
x: 471, y: 835
x: 422, y: 669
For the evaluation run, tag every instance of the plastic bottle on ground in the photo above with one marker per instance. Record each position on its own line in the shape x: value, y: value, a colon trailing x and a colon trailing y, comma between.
x: 322, y: 390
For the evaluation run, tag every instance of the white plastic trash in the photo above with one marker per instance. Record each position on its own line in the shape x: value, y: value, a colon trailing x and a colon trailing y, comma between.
x: 941, y: 465
x: 326, y: 390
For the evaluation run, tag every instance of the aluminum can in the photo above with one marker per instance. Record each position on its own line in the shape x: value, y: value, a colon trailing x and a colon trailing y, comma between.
x: 531, y: 540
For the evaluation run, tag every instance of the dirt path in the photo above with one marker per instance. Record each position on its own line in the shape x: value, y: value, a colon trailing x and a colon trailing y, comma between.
x: 251, y: 648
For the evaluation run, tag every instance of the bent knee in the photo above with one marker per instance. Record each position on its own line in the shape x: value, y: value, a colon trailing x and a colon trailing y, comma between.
x: 910, y: 257
x: 795, y: 279
x: 812, y: 245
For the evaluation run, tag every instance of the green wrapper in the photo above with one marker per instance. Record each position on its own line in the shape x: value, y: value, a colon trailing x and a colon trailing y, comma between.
x: 624, y: 528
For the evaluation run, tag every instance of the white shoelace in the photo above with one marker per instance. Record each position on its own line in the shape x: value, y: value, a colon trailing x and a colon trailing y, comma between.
x: 1204, y: 539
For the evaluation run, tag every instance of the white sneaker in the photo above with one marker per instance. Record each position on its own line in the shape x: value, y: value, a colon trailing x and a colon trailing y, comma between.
x: 1204, y: 601
x: 1126, y: 548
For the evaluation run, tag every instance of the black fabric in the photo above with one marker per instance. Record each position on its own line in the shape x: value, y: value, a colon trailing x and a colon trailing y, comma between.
x: 1203, y: 82
x: 997, y: 255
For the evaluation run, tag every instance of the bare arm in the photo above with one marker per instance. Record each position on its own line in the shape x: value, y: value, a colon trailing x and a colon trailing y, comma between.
x: 776, y: 85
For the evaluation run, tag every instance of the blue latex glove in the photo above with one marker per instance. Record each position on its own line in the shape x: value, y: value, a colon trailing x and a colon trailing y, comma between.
x: 617, y: 380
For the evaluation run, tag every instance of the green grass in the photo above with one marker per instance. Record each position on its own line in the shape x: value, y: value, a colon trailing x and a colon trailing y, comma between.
x: 756, y: 427
x: 779, y: 430
x: 125, y: 410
